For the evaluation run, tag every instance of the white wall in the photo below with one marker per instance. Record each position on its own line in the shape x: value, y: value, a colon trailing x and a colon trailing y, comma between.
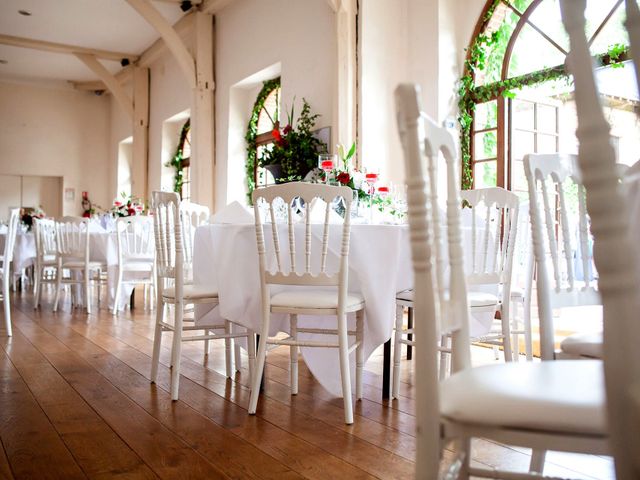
x: 59, y: 132
x: 254, y: 34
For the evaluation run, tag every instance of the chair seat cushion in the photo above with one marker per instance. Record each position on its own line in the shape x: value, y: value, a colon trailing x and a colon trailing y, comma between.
x: 555, y: 396
x: 80, y: 264
x: 476, y: 299
x: 192, y: 292
x: 583, y: 344
x: 138, y: 266
x: 315, y: 299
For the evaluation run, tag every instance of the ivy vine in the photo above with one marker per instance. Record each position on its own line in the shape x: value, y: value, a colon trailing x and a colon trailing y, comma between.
x: 252, y: 133
x: 177, y: 161
x: 482, y: 54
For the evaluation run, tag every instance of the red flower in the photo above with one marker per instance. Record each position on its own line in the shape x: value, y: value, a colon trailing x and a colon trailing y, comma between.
x: 131, y: 211
x: 275, y: 133
x: 343, y: 178
x: 287, y: 129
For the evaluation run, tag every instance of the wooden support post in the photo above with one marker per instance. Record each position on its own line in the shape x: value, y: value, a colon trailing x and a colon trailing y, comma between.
x: 140, y: 158
x: 202, y: 121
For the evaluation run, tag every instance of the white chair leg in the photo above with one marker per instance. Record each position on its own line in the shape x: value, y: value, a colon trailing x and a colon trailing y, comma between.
x: 444, y: 356
x: 251, y: 346
x: 506, y: 334
x: 157, y: 342
x: 465, y: 449
x: 397, y: 352
x: 116, y: 298
x: 262, y: 353
x: 87, y: 290
x: 293, y: 353
x: 176, y: 349
x: 228, y: 352
x: 528, y: 340
x: 37, y: 285
x: 345, y: 371
x: 58, y: 287
x: 237, y: 354
x: 515, y: 337
x: 7, y: 304
x: 359, y: 352
x: 537, y: 461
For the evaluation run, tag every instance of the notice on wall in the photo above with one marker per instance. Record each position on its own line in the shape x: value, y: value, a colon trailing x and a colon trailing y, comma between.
x: 69, y: 194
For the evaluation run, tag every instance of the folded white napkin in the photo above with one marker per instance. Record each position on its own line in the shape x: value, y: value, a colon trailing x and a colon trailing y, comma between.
x: 95, y: 227
x: 233, y: 213
x: 318, y: 211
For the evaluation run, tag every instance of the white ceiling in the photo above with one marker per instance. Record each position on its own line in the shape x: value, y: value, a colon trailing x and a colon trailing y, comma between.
x: 101, y: 24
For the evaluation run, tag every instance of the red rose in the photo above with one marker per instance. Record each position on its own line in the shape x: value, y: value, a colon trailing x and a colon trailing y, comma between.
x: 343, y: 178
x: 287, y: 129
x: 131, y: 212
x: 275, y: 133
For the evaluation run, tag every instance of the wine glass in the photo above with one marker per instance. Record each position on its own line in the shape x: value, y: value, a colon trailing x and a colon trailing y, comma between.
x: 327, y: 162
x: 371, y: 178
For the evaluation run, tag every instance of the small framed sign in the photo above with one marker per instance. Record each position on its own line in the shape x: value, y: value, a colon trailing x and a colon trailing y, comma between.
x: 69, y: 194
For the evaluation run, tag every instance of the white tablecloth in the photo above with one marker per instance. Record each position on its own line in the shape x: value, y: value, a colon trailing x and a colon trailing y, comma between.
x: 225, y: 255
x: 24, y: 250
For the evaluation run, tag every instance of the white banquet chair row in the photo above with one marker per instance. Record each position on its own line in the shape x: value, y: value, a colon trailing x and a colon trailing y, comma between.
x: 5, y: 265
x: 557, y: 405
x: 46, y: 261
x: 174, y: 287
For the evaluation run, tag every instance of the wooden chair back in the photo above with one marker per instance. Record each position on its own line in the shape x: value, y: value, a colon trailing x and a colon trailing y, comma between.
x: 421, y: 138
x: 167, y: 229
x: 192, y: 216
x: 558, y: 248
x: 494, y: 223
x: 135, y: 239
x: 10, y: 239
x: 72, y: 238
x: 617, y: 260
x: 45, y: 236
x: 291, y: 205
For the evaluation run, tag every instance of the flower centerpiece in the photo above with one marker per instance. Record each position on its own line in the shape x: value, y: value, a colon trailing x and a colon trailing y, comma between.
x: 346, y: 174
x: 294, y: 149
x: 127, y: 206
x: 28, y: 214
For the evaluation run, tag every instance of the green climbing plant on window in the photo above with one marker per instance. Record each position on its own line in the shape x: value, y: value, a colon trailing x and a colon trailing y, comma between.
x: 177, y: 161
x: 252, y: 133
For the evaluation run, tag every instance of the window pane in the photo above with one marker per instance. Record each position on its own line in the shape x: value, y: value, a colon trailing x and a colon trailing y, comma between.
x: 270, y: 112
x: 523, y: 115
x: 524, y: 60
x: 503, y: 22
x: 486, y: 115
x: 547, y: 18
x: 521, y: 144
x: 613, y: 31
x: 547, y: 119
x: 518, y: 179
x: 485, y: 145
x: 485, y: 174
x: 547, y: 144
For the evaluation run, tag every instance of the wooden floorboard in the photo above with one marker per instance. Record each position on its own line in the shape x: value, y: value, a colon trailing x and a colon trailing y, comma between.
x: 79, y: 385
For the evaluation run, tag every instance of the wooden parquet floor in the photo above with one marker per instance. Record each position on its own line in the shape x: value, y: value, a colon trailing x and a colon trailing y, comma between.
x: 76, y: 402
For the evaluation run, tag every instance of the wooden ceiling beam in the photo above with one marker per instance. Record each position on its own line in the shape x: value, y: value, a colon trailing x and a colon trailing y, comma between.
x: 92, y: 86
x: 62, y: 48
x: 213, y: 6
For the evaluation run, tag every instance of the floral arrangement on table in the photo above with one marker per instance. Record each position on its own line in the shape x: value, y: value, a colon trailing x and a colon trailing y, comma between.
x: 28, y: 214
x: 295, y: 149
x: 127, y: 206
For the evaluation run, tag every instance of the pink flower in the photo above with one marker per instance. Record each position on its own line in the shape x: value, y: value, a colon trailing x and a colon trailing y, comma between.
x: 117, y: 203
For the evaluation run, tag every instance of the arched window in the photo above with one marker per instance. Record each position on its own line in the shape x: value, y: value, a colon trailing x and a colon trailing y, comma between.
x: 516, y: 98
x: 185, y: 147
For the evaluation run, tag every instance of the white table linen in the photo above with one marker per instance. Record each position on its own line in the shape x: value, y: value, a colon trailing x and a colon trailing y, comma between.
x: 24, y: 250
x: 225, y: 255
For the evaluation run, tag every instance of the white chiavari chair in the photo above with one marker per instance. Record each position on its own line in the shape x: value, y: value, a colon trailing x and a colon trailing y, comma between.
x: 72, y: 243
x: 553, y: 179
x: 174, y: 286
x: 299, y: 282
x: 617, y: 260
x: 493, y: 225
x: 5, y: 268
x: 136, y: 250
x: 45, y: 268
x: 557, y: 405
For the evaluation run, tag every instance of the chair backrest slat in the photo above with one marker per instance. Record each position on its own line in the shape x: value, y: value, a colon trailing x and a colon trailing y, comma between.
x: 293, y: 205
x: 135, y: 238
x: 72, y: 237
x: 10, y: 239
x: 168, y: 235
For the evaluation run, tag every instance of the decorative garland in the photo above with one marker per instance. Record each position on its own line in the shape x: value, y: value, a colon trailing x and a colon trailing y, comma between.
x: 469, y: 95
x: 177, y: 160
x: 252, y: 133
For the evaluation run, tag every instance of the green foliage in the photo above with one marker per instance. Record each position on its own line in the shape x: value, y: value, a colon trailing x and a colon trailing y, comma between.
x: 617, y: 53
x: 177, y: 160
x: 252, y: 132
x: 295, y: 148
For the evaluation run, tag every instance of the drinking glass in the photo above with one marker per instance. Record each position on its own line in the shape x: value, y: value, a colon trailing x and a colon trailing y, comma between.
x: 327, y: 162
x: 371, y: 178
